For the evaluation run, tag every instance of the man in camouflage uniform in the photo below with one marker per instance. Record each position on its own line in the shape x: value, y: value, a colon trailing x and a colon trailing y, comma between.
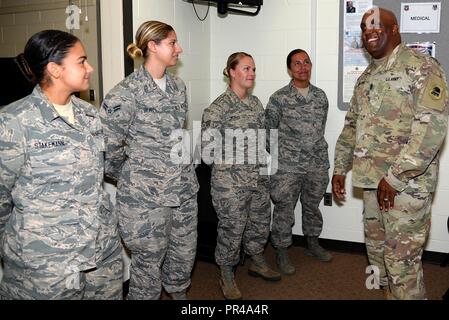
x: 59, y: 239
x: 299, y: 112
x: 156, y: 197
x: 394, y: 129
x: 239, y: 192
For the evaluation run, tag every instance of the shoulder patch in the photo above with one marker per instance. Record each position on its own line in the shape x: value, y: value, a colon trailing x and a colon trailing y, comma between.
x: 435, y: 94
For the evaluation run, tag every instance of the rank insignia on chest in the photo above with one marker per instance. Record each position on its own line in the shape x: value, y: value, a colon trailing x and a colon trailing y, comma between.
x: 111, y: 109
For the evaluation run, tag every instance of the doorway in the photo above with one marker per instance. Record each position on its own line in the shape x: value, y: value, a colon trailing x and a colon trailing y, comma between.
x: 19, y: 21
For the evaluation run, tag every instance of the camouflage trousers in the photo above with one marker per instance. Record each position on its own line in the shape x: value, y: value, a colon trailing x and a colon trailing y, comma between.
x: 162, y: 242
x: 243, y: 219
x: 286, y: 188
x: 395, y: 241
x: 102, y: 283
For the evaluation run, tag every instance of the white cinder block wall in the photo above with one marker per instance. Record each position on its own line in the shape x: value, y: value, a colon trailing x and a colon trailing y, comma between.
x: 112, y: 45
x: 281, y: 26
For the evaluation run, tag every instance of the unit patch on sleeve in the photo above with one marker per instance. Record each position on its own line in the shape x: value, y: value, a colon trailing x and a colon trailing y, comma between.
x: 435, y: 94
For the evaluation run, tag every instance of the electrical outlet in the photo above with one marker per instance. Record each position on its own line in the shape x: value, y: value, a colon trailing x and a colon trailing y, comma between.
x: 328, y: 199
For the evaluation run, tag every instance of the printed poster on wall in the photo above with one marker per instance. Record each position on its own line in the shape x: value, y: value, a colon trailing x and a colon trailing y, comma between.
x: 420, y: 17
x: 355, y: 58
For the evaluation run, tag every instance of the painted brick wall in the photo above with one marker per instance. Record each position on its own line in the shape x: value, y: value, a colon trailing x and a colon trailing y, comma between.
x: 20, y: 19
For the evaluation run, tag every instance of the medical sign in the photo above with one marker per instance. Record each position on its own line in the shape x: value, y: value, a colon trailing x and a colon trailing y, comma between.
x: 420, y: 17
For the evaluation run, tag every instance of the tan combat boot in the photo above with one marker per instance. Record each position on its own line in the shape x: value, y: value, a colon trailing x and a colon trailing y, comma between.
x: 260, y: 268
x: 315, y: 250
x: 283, y: 262
x: 228, y: 285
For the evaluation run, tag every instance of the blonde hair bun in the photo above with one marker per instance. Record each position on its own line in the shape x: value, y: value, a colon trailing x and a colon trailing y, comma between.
x: 134, y: 52
x: 225, y: 72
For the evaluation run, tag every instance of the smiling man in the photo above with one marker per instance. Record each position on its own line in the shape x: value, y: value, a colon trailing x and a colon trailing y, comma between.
x: 393, y: 132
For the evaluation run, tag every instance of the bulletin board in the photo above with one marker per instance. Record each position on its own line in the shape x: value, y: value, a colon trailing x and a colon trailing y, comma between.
x: 441, y: 39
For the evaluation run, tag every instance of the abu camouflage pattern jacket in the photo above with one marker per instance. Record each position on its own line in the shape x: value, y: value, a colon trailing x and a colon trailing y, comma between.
x: 301, y: 122
x: 139, y: 120
x: 396, y: 124
x: 51, y: 191
x: 228, y: 113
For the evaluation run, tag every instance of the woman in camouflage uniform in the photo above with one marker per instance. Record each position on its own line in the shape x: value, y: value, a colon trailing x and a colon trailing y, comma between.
x: 59, y: 239
x: 156, y: 196
x: 298, y: 111
x: 239, y: 193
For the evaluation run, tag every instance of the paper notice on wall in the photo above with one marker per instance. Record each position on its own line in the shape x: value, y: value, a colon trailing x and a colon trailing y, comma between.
x: 353, y: 13
x: 422, y: 17
x: 355, y: 57
x: 350, y: 76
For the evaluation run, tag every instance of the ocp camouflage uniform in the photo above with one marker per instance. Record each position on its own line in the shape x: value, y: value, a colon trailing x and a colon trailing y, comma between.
x: 239, y: 192
x: 156, y: 197
x: 303, y: 160
x: 59, y: 239
x: 394, y: 129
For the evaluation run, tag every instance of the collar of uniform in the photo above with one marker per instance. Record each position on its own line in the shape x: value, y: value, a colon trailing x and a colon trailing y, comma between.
x: 47, y: 110
x: 82, y: 107
x: 388, y: 62
x: 171, y: 86
x: 147, y: 75
x: 294, y: 90
x: 394, y: 55
x: 235, y: 98
x: 83, y: 112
